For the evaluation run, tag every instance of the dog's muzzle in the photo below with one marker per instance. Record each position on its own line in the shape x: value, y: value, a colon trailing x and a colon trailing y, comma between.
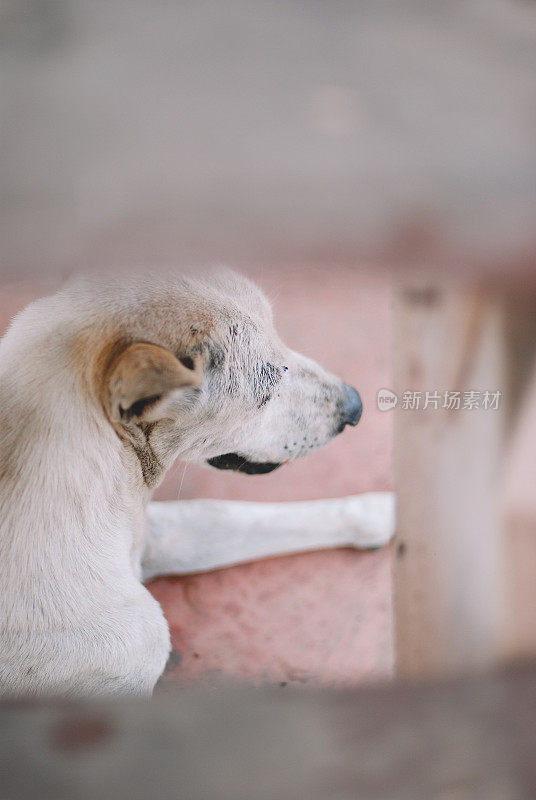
x: 241, y: 464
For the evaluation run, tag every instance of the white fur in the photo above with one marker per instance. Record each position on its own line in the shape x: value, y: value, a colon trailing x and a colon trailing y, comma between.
x: 75, y: 616
x: 199, y: 535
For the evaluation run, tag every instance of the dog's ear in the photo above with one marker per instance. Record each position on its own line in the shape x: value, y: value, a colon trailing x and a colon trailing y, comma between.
x: 143, y: 380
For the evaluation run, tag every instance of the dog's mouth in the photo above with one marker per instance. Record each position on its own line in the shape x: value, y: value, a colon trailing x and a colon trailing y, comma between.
x: 241, y: 464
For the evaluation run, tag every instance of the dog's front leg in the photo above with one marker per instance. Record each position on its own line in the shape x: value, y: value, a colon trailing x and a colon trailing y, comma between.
x: 199, y: 535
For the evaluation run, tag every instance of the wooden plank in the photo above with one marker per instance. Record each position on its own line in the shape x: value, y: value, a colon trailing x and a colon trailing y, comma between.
x: 470, y: 740
x: 448, y: 589
x: 518, y: 519
x: 269, y: 132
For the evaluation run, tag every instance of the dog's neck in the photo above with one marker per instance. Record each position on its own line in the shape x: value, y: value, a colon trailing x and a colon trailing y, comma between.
x: 71, y: 494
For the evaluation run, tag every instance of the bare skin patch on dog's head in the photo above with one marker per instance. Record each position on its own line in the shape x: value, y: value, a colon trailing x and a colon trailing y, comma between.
x: 264, y: 379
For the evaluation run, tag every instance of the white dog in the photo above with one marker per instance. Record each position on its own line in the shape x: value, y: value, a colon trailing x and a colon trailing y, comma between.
x: 102, y: 387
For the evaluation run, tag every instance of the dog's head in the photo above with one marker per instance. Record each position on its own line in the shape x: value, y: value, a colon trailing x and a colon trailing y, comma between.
x: 195, y: 370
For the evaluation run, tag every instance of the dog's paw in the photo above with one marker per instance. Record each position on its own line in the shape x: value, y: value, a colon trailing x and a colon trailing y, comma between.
x: 371, y: 519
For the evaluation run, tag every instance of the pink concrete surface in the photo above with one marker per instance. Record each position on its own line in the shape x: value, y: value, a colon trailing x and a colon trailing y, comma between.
x: 320, y: 618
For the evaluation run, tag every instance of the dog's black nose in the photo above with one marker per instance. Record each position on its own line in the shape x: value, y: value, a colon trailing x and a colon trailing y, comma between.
x: 352, y: 407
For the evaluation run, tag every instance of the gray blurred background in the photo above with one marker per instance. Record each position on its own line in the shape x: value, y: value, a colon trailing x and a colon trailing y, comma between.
x: 266, y: 132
